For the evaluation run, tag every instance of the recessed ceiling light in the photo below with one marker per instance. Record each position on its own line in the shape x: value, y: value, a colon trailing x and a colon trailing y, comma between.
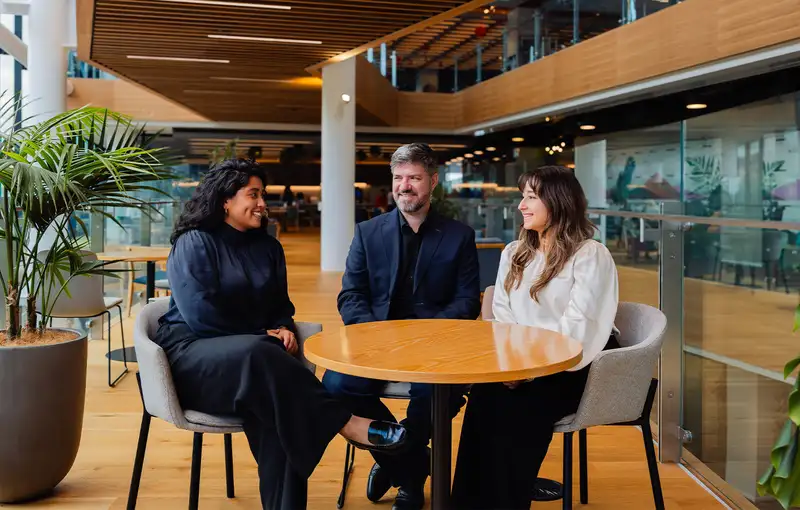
x: 232, y: 4
x: 587, y: 127
x: 491, y: 149
x: 460, y: 158
x: 495, y: 159
x: 563, y: 144
x: 468, y: 155
x: 547, y: 119
x: 696, y: 106
x: 518, y: 139
x: 180, y: 59
x: 479, y: 153
x: 262, y: 39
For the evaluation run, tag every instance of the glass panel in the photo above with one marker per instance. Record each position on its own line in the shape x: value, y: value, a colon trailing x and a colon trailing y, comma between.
x: 735, y: 399
x: 745, y: 162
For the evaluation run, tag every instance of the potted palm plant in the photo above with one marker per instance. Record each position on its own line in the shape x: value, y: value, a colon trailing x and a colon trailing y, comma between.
x: 87, y: 159
x: 782, y: 478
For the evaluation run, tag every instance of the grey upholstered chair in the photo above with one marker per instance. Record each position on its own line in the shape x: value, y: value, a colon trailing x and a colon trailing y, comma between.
x: 619, y: 391
x: 86, y: 300
x: 160, y: 399
x: 486, y: 305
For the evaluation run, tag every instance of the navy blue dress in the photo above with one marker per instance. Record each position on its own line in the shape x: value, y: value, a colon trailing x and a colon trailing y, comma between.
x: 228, y: 289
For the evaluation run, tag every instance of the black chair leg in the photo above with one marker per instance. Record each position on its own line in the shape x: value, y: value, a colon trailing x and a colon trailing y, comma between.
x: 566, y: 501
x: 584, y: 467
x: 197, y: 458
x: 229, y: 466
x: 652, y: 465
x: 349, y: 461
x: 113, y: 383
x: 138, y: 463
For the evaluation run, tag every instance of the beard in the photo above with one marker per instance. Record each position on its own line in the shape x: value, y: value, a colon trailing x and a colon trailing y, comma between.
x: 410, y: 202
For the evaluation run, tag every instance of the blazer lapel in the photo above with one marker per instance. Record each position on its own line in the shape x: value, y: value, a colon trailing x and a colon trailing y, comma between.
x: 390, y: 230
x: 430, y: 242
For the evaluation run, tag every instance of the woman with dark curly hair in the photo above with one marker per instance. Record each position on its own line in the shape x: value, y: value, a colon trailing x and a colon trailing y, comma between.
x: 230, y: 337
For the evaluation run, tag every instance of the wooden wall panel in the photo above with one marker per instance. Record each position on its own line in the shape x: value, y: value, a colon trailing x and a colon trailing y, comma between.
x: 375, y: 94
x: 685, y: 35
x: 429, y: 110
x: 129, y: 99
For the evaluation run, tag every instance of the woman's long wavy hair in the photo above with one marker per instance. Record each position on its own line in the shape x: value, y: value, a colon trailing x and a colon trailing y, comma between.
x: 568, y: 226
x: 205, y: 210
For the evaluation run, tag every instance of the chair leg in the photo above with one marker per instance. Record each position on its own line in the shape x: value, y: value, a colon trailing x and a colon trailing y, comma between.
x: 229, y: 466
x: 349, y: 461
x: 131, y: 277
x: 138, y: 462
x: 113, y: 383
x: 566, y: 501
x: 584, y: 467
x: 652, y: 465
x: 197, y: 458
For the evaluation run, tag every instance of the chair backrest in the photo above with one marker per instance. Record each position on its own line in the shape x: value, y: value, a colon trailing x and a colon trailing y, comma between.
x: 85, y: 297
x: 486, y: 305
x: 619, y: 379
x: 158, y: 391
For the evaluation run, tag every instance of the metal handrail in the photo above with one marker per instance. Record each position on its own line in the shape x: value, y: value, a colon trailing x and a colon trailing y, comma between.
x: 700, y: 220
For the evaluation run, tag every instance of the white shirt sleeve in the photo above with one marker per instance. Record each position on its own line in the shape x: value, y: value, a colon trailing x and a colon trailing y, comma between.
x: 589, y: 317
x: 501, y: 303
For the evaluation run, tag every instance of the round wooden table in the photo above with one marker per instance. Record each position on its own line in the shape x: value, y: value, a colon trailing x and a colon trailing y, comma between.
x: 150, y: 255
x: 443, y: 353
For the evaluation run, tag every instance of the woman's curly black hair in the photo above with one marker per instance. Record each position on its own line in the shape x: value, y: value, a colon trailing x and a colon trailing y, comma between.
x: 205, y: 210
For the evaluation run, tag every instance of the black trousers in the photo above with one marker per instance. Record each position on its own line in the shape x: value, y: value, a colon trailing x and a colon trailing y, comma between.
x: 289, y: 417
x: 506, y: 435
x: 361, y: 396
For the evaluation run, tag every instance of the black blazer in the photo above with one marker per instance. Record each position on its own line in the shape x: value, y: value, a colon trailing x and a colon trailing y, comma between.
x: 446, y: 279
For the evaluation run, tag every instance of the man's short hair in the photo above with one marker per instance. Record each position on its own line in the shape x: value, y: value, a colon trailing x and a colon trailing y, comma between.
x: 417, y: 154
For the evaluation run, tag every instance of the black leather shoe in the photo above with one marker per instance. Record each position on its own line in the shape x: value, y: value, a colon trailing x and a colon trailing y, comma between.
x: 384, y: 437
x: 410, y: 498
x: 378, y: 483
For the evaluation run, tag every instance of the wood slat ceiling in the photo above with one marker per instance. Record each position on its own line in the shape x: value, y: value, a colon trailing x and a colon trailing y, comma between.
x: 438, y: 46
x: 284, y: 91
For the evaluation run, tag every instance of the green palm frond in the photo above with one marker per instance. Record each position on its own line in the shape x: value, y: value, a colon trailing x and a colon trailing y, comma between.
x: 87, y: 160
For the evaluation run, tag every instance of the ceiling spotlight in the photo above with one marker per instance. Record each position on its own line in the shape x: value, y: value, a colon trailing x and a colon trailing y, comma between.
x: 547, y: 119
x: 479, y: 153
x: 518, y: 139
x: 490, y: 149
x: 346, y: 98
x: 495, y: 159
x: 696, y: 106
x: 468, y: 155
x: 563, y: 144
x: 587, y: 127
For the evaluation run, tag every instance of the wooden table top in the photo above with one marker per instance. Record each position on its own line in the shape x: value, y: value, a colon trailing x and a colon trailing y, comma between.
x: 137, y: 254
x: 443, y: 351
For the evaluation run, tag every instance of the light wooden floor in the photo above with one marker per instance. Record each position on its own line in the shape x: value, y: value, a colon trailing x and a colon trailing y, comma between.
x: 101, y: 474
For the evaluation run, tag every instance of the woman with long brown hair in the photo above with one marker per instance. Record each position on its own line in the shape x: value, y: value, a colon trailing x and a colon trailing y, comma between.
x: 554, y: 277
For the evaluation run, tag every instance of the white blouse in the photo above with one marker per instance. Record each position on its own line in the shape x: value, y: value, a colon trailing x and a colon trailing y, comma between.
x: 580, y: 302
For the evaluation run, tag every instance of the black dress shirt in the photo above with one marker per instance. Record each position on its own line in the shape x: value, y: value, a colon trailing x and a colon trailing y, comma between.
x: 402, y: 306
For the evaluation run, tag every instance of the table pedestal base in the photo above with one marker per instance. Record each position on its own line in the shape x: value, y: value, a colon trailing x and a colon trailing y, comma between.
x: 442, y: 443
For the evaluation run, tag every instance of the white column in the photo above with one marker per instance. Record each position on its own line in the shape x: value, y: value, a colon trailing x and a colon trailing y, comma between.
x: 47, y: 58
x: 590, y: 169
x: 338, y: 163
